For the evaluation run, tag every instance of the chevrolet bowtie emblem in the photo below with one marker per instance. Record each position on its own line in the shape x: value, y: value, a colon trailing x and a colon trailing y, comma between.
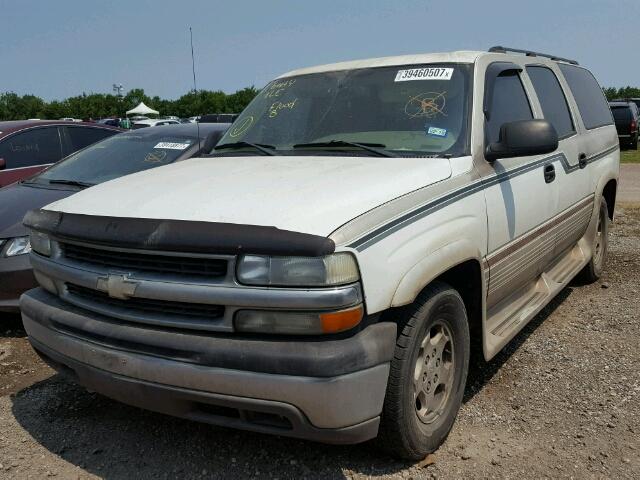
x: 117, y: 286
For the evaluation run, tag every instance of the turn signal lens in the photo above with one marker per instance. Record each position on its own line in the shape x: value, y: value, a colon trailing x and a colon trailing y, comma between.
x: 340, y: 321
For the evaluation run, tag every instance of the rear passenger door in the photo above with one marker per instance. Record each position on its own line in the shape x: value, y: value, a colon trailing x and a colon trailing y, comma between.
x: 597, y: 140
x: 27, y: 152
x: 77, y: 138
x: 520, y: 200
x: 572, y: 179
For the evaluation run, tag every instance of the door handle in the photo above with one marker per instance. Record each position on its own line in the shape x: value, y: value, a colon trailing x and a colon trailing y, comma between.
x: 582, y: 160
x: 549, y: 173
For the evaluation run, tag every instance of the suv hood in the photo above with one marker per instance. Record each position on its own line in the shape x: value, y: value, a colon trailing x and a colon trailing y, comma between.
x: 308, y: 194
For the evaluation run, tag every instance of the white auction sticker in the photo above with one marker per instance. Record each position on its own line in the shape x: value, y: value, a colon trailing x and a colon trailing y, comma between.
x: 427, y: 73
x: 172, y: 146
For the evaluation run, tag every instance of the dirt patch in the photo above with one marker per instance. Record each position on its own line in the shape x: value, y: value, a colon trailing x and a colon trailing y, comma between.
x: 20, y: 366
x: 561, y: 401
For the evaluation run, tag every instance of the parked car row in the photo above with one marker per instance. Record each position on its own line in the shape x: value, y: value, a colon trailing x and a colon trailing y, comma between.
x: 110, y: 158
x: 141, y: 121
x: 27, y: 147
x: 157, y: 122
x: 325, y: 271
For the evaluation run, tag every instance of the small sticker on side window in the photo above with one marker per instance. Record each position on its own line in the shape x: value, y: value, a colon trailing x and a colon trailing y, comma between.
x: 172, y: 145
x: 437, y: 132
x: 427, y: 73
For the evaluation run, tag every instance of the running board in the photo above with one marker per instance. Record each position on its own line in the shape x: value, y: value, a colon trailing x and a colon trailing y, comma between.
x: 509, y: 316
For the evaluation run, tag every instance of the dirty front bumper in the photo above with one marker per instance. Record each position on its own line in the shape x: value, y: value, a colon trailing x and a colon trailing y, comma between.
x: 16, y: 277
x: 325, y: 390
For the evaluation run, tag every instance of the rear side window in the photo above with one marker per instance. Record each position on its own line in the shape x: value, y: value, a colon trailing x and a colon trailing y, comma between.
x: 622, y: 114
x: 509, y: 104
x: 36, y: 146
x: 593, y: 107
x: 552, y: 100
x: 80, y: 137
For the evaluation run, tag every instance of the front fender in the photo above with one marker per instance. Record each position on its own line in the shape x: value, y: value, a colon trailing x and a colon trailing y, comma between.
x: 434, y: 265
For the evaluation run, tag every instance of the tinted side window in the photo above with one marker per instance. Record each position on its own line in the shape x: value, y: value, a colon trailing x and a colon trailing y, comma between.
x: 509, y: 104
x: 552, y: 99
x: 33, y: 147
x: 80, y: 137
x: 622, y: 115
x: 593, y: 107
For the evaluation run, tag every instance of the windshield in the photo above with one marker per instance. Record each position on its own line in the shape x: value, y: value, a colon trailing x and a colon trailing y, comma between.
x: 118, y: 156
x: 411, y: 110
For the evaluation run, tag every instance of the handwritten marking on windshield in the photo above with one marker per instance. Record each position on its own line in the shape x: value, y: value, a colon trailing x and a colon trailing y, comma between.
x: 276, y: 107
x: 426, y: 105
x: 242, y: 127
x: 277, y: 87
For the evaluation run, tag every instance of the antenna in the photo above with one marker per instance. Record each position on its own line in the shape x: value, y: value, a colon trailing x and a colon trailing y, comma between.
x: 195, y: 88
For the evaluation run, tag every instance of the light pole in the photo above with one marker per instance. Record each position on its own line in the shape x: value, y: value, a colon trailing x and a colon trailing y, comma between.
x: 117, y: 89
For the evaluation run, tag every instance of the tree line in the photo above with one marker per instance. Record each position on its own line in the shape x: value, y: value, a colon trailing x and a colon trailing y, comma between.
x: 623, y: 92
x: 103, y: 105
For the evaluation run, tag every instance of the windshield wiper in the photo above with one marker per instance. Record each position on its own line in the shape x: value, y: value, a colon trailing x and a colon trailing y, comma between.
x: 265, y: 149
x: 377, y: 148
x: 74, y: 183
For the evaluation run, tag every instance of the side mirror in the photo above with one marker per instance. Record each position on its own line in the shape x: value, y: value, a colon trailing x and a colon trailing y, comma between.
x: 3, y: 164
x: 523, y: 138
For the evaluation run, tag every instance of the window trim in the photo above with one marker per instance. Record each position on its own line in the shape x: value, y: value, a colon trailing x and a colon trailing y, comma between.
x: 573, y: 132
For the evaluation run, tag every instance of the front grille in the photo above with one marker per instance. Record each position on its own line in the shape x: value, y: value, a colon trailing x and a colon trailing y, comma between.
x: 136, y: 304
x: 143, y: 262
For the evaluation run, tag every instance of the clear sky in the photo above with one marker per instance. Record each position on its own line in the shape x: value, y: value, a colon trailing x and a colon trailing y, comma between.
x: 56, y: 49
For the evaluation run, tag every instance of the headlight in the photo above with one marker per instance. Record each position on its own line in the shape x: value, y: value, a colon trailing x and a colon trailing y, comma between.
x: 17, y: 246
x: 40, y: 243
x: 336, y: 269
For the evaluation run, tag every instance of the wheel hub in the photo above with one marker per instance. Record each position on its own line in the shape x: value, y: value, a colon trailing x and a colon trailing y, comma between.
x: 433, y: 374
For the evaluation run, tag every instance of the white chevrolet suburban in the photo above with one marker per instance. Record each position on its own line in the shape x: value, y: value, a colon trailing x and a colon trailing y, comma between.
x: 325, y: 272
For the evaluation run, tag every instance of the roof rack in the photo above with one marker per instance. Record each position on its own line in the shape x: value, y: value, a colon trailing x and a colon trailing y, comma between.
x: 529, y: 53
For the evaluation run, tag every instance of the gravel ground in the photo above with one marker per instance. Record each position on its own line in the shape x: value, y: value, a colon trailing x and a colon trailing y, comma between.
x: 561, y: 401
x: 629, y: 183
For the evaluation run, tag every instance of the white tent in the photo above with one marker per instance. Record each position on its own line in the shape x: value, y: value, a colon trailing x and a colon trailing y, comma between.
x: 142, y: 109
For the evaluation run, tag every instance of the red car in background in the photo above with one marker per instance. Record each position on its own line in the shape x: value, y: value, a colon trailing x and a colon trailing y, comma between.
x: 28, y: 146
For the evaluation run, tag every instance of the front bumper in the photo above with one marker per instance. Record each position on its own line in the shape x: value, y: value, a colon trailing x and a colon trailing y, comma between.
x: 16, y: 277
x: 330, y: 391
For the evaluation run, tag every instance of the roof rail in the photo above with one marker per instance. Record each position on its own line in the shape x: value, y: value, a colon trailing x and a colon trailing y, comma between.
x: 528, y: 53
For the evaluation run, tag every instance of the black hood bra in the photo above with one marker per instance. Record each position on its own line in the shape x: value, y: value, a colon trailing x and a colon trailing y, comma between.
x: 178, y: 235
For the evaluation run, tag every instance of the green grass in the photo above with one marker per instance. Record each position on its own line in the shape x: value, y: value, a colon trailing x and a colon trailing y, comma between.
x: 630, y: 156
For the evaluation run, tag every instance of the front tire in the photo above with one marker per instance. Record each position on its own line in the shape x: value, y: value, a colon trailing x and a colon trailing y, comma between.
x: 428, y: 374
x: 592, y: 271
